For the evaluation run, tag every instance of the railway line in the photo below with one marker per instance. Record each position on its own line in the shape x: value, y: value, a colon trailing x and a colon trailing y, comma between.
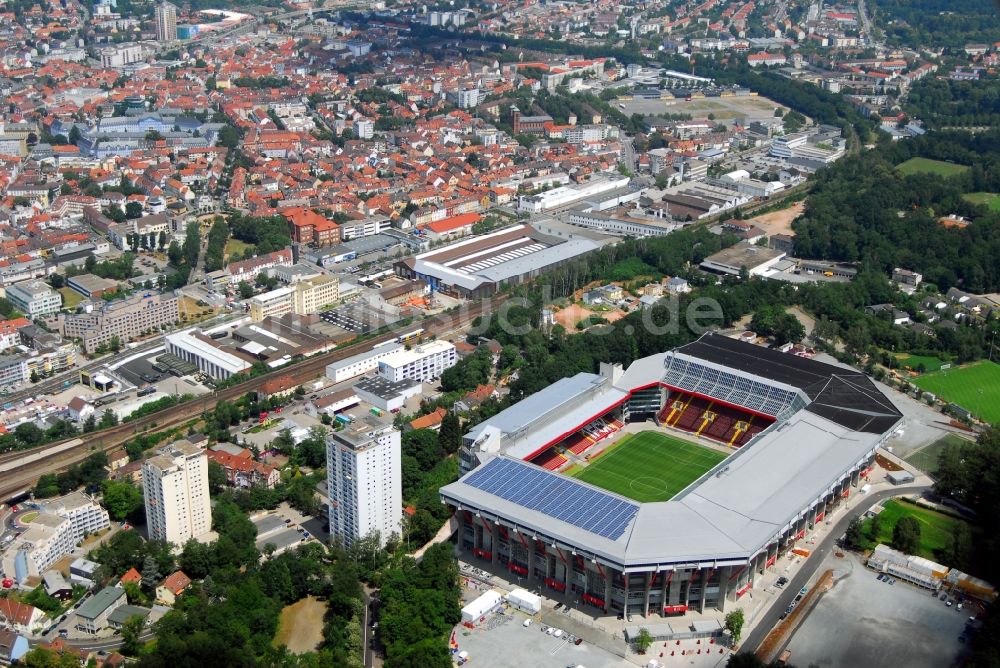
x: 20, y: 470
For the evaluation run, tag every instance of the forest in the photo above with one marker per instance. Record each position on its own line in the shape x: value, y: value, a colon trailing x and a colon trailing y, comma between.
x: 863, y: 209
x: 944, y: 23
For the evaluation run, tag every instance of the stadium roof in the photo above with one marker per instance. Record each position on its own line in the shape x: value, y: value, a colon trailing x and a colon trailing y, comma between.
x: 841, y: 394
x: 550, y: 414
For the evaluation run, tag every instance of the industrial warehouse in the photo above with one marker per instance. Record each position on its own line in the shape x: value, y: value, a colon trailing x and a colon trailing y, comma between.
x: 798, y: 434
x: 481, y: 266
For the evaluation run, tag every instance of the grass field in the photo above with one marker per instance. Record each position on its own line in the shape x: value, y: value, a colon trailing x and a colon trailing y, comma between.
x: 936, y: 529
x: 649, y: 466
x: 70, y: 297
x: 300, y: 628
x: 990, y: 200
x: 237, y: 246
x: 911, y: 362
x: 928, y: 166
x: 974, y: 387
x: 926, y: 458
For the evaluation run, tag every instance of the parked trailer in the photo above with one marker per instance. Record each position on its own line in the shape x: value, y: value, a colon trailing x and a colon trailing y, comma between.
x: 525, y: 601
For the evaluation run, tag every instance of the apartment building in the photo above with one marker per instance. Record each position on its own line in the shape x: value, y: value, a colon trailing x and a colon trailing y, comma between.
x: 34, y: 298
x: 364, y: 481
x: 60, y: 525
x: 422, y: 363
x: 125, y: 318
x: 175, y: 487
x: 166, y: 22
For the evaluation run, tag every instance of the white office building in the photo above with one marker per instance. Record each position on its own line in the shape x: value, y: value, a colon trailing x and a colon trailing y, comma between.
x: 422, y: 363
x: 34, y: 298
x: 175, y: 486
x: 361, y: 363
x: 364, y: 481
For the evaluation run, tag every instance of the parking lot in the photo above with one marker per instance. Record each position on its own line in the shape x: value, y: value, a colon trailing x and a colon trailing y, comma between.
x: 864, y: 622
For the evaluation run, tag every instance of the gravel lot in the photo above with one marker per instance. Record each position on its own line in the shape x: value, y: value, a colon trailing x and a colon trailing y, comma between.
x: 864, y: 622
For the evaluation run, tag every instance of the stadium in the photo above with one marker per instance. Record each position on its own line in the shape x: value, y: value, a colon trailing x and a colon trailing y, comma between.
x: 734, y: 451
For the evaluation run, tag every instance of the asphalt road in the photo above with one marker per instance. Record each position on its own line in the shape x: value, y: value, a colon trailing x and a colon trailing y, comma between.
x: 784, y: 599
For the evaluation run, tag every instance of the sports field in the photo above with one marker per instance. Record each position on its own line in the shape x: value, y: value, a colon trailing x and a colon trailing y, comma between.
x: 928, y: 166
x: 649, y: 466
x: 974, y: 387
x: 989, y: 200
x: 913, y: 362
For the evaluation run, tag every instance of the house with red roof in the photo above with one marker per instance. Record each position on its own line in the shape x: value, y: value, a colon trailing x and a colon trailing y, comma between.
x: 172, y: 587
x: 449, y: 228
x: 21, y: 617
x: 242, y: 471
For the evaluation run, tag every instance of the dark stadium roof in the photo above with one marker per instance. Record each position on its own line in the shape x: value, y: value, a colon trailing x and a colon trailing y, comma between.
x: 845, y: 396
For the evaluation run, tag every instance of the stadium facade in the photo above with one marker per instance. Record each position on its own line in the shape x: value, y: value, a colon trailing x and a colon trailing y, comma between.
x: 803, y: 433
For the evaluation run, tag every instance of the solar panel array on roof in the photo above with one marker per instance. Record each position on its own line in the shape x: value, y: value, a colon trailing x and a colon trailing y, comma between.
x: 558, y: 497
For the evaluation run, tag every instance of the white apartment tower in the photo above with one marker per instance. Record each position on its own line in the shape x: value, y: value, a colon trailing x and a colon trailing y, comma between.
x: 364, y: 481
x: 166, y: 22
x: 175, y: 486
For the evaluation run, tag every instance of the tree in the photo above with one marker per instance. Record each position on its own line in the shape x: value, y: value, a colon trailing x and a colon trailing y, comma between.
x: 131, y: 630
x: 162, y: 240
x: 121, y: 499
x: 643, y: 640
x: 150, y: 574
x: 40, y: 657
x: 450, y: 435
x: 108, y: 419
x: 90, y: 424
x: 174, y: 254
x: 906, y: 535
x: 854, y: 537
x: 34, y: 376
x: 734, y: 624
x: 246, y: 290
x: 216, y: 478
x: 133, y: 210
x: 874, y: 527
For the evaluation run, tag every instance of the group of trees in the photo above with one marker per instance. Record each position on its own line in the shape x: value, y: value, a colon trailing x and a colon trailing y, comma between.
x: 29, y: 435
x: 267, y: 234
x: 929, y: 23
x: 419, y: 607
x: 428, y: 463
x: 948, y: 103
x: 88, y: 473
x: 215, y: 249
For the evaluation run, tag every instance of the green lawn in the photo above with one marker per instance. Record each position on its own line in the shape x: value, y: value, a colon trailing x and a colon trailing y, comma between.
x: 649, y: 466
x: 237, y: 246
x: 936, y: 530
x: 974, y: 387
x: 911, y: 362
x: 928, y: 166
x: 70, y: 297
x: 991, y: 200
x: 926, y: 458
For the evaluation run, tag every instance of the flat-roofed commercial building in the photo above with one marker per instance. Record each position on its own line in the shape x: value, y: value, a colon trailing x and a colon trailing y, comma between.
x: 199, y: 349
x: 274, y: 303
x: 361, y: 363
x: 422, y: 363
x: 313, y: 294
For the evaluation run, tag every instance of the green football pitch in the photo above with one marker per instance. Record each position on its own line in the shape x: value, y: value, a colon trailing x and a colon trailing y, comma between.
x: 974, y: 387
x: 649, y: 466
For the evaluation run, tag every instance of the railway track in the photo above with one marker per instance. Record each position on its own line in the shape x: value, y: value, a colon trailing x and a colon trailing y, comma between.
x: 20, y: 470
